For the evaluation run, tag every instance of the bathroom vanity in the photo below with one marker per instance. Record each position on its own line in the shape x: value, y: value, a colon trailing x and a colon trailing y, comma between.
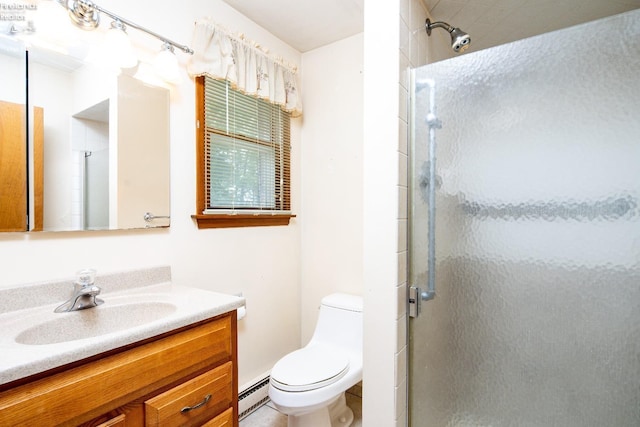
x: 179, y: 369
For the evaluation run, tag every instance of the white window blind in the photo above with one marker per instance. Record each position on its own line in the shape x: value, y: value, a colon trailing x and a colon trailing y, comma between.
x: 247, y: 145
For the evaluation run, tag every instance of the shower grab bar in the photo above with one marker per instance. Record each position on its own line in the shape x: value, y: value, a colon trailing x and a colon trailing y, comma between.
x: 416, y: 295
x: 611, y: 208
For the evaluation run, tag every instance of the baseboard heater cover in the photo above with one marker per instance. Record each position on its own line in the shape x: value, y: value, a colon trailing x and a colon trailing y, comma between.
x: 253, y: 396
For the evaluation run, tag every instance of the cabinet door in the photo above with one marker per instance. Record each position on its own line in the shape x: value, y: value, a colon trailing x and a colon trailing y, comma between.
x: 13, y: 167
x: 87, y: 391
x: 193, y: 402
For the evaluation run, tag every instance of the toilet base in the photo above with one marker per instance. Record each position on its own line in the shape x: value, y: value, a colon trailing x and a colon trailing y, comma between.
x: 337, y: 414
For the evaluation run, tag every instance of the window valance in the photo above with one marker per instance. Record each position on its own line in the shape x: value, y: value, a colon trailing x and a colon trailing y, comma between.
x: 221, y: 55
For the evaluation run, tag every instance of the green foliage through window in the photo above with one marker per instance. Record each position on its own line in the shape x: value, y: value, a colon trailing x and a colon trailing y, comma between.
x: 247, y: 145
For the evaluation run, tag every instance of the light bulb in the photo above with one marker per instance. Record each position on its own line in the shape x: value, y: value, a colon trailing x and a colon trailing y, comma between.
x: 146, y: 73
x: 166, y: 64
x: 118, y: 48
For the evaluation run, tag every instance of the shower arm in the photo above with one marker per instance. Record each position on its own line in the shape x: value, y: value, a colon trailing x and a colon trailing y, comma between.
x: 430, y: 25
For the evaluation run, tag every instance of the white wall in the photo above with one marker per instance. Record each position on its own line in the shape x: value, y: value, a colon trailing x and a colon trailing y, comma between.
x: 49, y: 84
x: 355, y: 205
x: 331, y: 175
x: 388, y: 55
x: 225, y: 260
x: 380, y: 219
x: 142, y: 116
x: 12, y: 68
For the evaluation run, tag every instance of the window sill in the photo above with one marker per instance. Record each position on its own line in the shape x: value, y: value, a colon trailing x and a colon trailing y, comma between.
x: 241, y: 220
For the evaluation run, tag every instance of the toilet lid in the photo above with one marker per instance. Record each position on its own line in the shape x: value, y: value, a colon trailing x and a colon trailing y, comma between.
x: 308, y: 369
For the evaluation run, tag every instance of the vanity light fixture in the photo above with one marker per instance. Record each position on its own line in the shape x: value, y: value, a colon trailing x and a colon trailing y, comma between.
x: 86, y: 15
x: 166, y: 64
x: 83, y: 13
x: 119, y: 47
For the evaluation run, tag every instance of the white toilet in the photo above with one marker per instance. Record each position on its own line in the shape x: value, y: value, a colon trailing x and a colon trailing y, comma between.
x: 308, y: 385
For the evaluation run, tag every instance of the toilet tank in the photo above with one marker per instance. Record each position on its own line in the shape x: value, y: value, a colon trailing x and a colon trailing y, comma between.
x: 340, y: 322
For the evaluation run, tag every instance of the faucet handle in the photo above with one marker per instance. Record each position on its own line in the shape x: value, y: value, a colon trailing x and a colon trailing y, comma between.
x: 86, y: 277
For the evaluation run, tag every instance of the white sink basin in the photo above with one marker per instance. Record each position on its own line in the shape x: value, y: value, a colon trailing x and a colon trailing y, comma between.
x: 35, y: 339
x: 93, y: 322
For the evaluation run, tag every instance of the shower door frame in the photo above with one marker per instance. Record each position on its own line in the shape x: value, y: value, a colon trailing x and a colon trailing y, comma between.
x: 601, y: 209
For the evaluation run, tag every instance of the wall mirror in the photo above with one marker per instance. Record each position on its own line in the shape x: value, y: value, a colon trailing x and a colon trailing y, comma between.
x: 81, y: 146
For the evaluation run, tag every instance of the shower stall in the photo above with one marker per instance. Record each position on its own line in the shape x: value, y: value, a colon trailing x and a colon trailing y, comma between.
x: 533, y: 194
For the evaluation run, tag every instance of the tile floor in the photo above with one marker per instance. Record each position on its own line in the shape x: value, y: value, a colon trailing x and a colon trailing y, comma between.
x: 268, y: 416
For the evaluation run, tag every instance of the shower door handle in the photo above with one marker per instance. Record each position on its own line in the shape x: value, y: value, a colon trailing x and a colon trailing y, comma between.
x: 416, y: 294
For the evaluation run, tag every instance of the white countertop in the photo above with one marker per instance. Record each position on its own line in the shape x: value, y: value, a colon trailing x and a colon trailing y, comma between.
x: 160, y: 308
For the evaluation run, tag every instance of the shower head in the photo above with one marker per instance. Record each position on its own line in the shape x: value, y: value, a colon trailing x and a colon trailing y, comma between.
x: 460, y: 40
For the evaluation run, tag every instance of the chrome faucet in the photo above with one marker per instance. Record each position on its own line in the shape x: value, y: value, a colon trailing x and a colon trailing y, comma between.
x: 84, y: 293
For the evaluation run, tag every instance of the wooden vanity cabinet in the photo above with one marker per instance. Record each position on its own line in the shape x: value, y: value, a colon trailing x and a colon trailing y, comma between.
x: 188, y: 378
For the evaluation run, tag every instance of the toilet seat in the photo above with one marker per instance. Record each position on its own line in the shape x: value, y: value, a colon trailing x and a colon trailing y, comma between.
x: 309, y: 368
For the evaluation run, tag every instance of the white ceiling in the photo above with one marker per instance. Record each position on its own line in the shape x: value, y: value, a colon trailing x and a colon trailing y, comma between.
x: 308, y: 24
x: 305, y: 24
x: 494, y: 22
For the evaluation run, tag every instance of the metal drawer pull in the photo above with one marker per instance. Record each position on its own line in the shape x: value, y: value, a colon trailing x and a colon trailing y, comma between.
x: 190, y: 408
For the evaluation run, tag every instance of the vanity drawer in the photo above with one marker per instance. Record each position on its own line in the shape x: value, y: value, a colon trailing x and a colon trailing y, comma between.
x: 119, y: 421
x: 223, y: 420
x: 207, y: 395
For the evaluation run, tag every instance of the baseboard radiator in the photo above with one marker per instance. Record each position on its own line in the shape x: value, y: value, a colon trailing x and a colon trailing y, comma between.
x: 253, y: 396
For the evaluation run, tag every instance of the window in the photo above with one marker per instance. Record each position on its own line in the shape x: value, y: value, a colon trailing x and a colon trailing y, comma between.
x: 243, y: 169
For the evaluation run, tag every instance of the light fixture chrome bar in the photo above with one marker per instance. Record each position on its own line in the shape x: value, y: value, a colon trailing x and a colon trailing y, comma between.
x: 184, y: 48
x: 85, y: 14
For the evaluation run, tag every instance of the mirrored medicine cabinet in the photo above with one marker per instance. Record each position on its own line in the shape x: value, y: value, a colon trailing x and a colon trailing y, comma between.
x: 81, y: 148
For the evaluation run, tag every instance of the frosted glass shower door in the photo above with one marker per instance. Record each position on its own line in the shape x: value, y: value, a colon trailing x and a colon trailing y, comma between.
x: 536, y: 319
